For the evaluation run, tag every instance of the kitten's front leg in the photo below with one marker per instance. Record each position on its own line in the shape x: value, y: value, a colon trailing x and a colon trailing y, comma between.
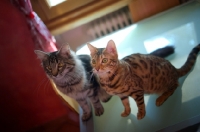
x: 87, y: 113
x: 139, y: 99
x: 126, y: 104
x: 97, y: 105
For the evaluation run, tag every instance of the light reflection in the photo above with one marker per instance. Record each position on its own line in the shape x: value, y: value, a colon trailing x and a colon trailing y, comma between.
x: 129, y: 121
x: 54, y: 2
x: 156, y: 43
x: 117, y: 37
x: 184, y: 34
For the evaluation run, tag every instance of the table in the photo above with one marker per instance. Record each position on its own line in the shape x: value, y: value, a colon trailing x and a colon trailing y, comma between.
x: 180, y: 27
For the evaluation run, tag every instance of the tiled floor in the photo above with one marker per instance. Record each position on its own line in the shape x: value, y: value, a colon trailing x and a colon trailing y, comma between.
x: 179, y: 27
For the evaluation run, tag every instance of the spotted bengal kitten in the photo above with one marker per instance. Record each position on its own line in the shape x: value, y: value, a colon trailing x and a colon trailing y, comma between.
x: 73, y: 76
x: 137, y: 74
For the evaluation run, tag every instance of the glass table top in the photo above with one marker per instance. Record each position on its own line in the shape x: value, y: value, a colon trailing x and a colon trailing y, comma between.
x: 179, y: 27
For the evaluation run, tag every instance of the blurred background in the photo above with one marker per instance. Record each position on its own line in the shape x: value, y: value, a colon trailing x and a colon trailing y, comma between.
x: 78, y: 22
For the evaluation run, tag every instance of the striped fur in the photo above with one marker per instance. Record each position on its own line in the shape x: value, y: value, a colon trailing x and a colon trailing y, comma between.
x: 190, y: 61
x: 73, y: 76
x: 137, y: 74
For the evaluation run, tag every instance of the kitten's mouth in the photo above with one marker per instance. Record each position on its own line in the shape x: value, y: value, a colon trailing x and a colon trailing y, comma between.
x: 55, y: 74
x: 98, y: 71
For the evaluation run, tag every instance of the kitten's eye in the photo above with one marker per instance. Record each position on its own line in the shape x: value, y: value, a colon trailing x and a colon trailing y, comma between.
x: 60, y: 64
x: 104, y: 60
x: 48, y: 68
x: 59, y: 68
x: 93, y: 61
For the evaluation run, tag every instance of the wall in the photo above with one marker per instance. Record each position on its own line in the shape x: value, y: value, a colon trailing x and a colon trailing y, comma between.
x: 27, y: 99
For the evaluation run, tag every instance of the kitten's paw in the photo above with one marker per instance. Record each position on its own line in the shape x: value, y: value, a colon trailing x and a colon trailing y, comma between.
x: 141, y: 115
x: 86, y: 116
x: 125, y: 113
x: 160, y: 100
x: 99, y: 111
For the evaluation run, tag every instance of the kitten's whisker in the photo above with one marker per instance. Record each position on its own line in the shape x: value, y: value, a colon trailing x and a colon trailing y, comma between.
x: 46, y: 87
x: 91, y: 70
x: 38, y: 87
x: 91, y: 76
x: 43, y: 87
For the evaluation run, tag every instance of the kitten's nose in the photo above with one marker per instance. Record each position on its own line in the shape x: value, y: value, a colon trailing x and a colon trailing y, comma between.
x: 97, y: 68
x: 54, y: 69
x: 54, y: 73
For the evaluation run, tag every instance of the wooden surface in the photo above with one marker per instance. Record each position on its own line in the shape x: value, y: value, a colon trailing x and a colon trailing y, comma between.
x: 141, y: 9
x: 78, y: 16
x: 62, y: 8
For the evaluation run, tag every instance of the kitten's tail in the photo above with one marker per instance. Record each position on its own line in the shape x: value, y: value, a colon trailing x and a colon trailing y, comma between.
x: 190, y: 61
x: 163, y: 52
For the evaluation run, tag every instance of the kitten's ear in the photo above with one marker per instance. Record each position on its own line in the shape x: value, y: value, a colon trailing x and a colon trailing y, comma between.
x: 41, y: 55
x: 64, y: 50
x: 111, y: 48
x: 92, y: 49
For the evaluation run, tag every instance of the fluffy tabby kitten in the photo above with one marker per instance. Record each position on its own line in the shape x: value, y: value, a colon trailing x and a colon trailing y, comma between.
x: 137, y: 74
x: 73, y: 76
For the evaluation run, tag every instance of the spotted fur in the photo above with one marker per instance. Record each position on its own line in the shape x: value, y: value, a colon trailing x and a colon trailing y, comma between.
x: 73, y: 76
x: 137, y: 74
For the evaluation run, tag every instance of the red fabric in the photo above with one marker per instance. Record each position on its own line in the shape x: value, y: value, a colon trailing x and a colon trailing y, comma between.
x: 27, y: 99
x: 41, y: 36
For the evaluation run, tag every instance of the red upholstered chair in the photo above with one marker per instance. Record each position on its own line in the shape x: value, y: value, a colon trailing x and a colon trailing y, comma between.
x: 27, y: 100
